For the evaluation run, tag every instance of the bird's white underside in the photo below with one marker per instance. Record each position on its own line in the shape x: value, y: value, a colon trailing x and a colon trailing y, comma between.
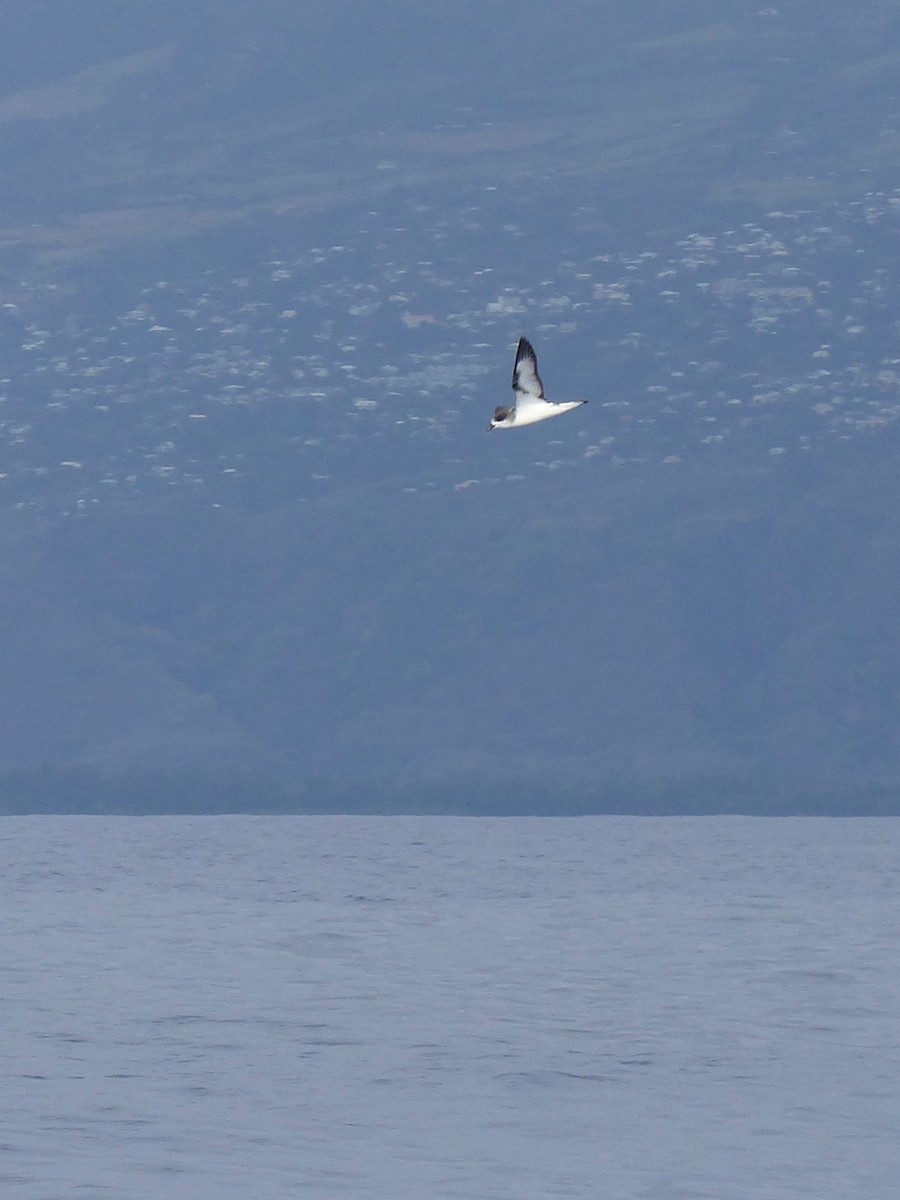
x: 540, y: 410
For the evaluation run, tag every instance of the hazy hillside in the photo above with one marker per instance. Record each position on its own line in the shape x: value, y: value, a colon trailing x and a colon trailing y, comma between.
x: 127, y: 127
x: 261, y: 279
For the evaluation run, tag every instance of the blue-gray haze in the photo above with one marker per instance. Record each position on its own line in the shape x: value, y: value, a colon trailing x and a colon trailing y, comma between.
x: 262, y: 269
x: 396, y: 1008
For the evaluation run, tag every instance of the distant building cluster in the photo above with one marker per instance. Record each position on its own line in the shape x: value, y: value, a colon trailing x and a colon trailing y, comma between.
x: 383, y: 353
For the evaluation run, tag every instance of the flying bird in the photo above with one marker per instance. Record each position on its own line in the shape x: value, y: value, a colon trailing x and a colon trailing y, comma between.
x: 529, y: 405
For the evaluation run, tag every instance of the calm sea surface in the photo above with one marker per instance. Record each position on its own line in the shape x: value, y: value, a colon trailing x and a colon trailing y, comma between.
x: 424, y: 1009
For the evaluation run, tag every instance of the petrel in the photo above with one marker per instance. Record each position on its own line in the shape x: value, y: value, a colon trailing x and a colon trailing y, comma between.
x: 529, y: 405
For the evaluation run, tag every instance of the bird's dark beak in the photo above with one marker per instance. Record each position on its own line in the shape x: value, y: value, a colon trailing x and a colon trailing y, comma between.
x: 490, y: 427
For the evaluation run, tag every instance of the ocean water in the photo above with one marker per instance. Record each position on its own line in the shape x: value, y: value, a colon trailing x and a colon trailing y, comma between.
x: 245, y: 1008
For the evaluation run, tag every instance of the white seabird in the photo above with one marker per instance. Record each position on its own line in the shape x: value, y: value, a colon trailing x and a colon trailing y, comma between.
x: 529, y: 405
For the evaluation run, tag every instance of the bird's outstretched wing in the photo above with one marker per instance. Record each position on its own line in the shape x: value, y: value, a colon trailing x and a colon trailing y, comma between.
x: 525, y: 380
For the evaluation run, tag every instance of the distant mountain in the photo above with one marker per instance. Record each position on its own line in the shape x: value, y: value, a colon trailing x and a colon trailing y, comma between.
x: 261, y: 275
x: 126, y: 129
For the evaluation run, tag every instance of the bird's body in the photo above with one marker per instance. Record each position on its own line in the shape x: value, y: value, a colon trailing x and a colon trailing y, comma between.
x: 530, y: 405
